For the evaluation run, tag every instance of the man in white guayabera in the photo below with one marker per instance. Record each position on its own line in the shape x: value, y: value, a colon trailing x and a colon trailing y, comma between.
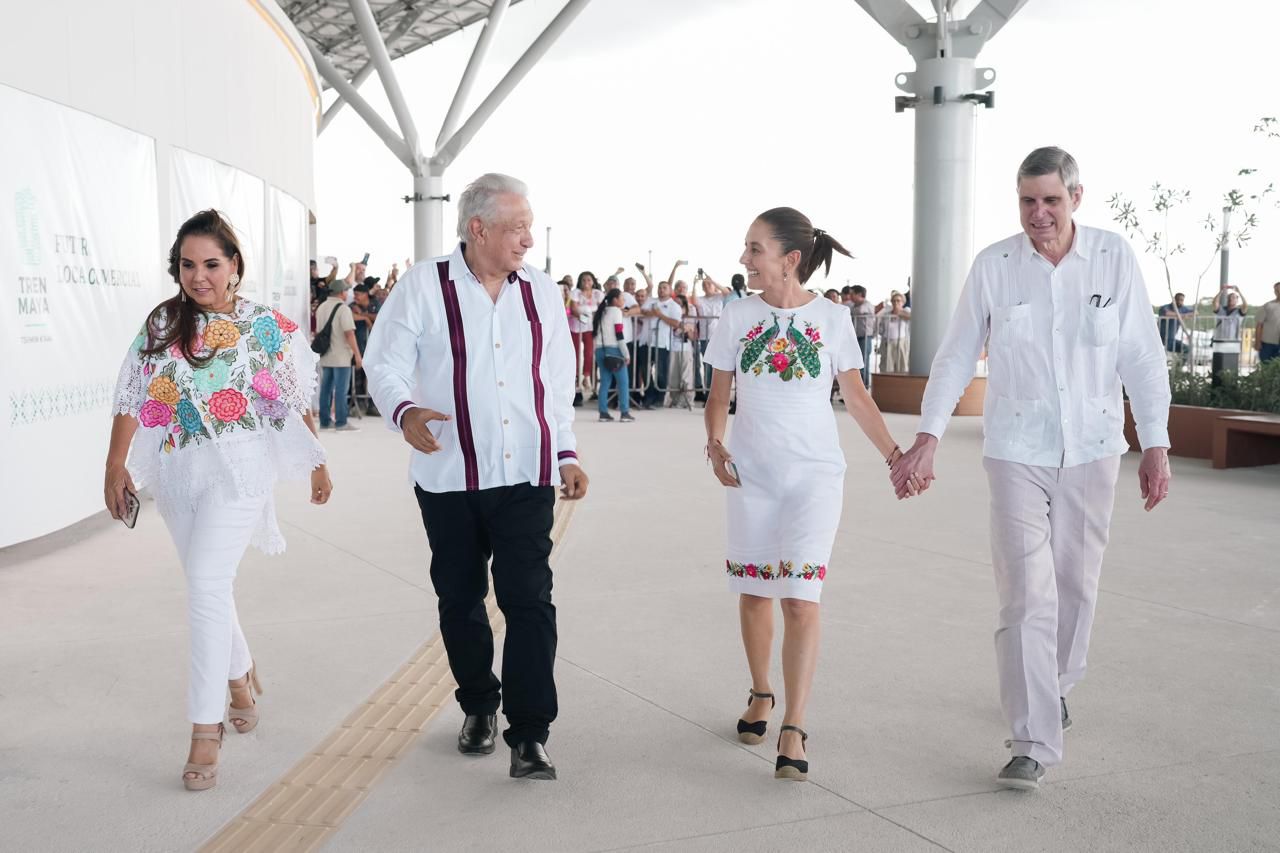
x: 1069, y: 323
x: 471, y: 361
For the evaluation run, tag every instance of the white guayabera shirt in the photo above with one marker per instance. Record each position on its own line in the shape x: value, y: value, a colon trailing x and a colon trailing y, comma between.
x: 1063, y: 342
x: 503, y: 371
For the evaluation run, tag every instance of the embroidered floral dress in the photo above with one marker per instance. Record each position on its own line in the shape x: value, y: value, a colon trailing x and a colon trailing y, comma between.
x: 782, y: 521
x: 232, y: 427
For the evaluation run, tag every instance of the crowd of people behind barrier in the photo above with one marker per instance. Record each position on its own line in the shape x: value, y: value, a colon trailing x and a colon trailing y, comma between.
x: 627, y: 333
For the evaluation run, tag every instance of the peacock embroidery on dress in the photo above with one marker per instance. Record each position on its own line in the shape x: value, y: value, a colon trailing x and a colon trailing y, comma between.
x: 790, y: 355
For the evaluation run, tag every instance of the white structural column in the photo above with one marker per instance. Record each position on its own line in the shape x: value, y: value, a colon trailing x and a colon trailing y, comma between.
x: 944, y: 92
x: 428, y: 172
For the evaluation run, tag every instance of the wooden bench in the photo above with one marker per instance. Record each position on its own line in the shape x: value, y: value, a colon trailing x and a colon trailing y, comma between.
x: 1243, y: 440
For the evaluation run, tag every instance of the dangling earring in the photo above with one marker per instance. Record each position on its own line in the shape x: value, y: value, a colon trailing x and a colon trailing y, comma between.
x: 234, y: 281
x: 183, y: 293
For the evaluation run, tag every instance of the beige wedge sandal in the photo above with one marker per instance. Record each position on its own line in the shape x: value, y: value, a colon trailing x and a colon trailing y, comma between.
x: 248, y: 717
x: 205, y: 775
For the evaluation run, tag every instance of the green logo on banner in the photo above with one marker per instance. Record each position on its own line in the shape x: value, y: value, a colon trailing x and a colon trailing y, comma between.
x: 24, y: 208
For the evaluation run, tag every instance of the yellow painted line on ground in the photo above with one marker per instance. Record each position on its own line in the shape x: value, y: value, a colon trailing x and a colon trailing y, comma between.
x: 307, y: 805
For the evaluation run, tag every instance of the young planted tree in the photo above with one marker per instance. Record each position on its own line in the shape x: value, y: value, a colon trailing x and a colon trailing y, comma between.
x: 1241, y: 205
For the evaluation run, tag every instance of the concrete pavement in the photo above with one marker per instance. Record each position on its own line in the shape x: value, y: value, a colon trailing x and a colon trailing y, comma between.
x: 1174, y: 746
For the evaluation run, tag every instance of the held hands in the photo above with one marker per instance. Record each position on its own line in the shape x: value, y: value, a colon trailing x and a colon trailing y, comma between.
x: 1154, y: 476
x: 912, y: 472
x: 574, y: 485
x: 414, y: 426
x: 718, y: 455
x: 321, y: 485
x: 116, y: 481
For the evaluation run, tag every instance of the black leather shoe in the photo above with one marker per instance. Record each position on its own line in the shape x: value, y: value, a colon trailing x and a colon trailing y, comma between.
x: 529, y: 760
x: 476, y: 737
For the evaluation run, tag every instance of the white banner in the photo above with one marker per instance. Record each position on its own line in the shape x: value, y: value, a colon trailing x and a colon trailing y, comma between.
x: 80, y: 267
x: 199, y: 183
x: 289, y: 284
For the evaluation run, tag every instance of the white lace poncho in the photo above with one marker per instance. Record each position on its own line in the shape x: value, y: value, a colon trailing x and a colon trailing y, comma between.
x: 234, y: 425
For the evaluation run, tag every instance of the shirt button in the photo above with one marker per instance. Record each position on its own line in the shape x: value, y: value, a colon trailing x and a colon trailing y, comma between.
x: 505, y: 421
x: 497, y: 346
x: 1062, y: 387
x: 508, y: 455
x: 501, y: 383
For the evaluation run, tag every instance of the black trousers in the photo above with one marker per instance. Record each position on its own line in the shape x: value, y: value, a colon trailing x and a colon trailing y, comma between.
x: 511, y: 525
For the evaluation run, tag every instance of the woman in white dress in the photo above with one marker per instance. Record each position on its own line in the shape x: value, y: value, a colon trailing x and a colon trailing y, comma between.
x: 221, y: 387
x: 783, y: 463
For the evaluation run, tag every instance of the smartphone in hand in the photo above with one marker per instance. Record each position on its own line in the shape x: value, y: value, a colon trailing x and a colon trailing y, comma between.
x: 132, y: 505
x: 733, y: 471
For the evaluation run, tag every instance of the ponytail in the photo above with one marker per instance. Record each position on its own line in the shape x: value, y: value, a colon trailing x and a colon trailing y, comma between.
x: 795, y: 232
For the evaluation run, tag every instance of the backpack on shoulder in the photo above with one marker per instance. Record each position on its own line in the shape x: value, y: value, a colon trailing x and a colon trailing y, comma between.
x: 323, y: 340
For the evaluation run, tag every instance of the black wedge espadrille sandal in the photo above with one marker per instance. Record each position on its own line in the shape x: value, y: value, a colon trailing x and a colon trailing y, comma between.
x: 753, y: 733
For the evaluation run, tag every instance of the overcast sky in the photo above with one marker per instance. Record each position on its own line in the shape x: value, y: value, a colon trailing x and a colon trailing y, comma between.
x: 667, y: 125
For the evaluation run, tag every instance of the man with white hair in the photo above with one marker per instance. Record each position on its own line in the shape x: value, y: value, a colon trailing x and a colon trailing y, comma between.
x: 1069, y: 323
x: 471, y: 361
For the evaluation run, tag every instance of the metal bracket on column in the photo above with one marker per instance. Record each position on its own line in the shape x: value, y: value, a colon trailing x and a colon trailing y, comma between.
x: 416, y: 197
x: 986, y: 99
x: 901, y: 103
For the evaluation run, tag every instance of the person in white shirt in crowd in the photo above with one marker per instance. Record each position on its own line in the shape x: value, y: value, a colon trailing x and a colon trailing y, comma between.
x: 707, y: 308
x: 894, y: 326
x: 684, y: 340
x: 864, y: 327
x: 666, y: 315
x: 613, y: 355
x: 472, y: 363
x: 634, y: 317
x: 1266, y: 336
x: 1230, y: 317
x: 356, y: 272
x: 1070, y: 328
x: 584, y: 300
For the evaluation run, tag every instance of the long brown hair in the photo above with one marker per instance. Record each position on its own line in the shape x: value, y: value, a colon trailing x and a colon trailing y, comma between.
x: 176, y: 320
x: 795, y: 232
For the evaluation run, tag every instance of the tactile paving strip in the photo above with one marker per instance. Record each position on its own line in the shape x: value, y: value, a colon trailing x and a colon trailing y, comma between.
x: 306, y: 806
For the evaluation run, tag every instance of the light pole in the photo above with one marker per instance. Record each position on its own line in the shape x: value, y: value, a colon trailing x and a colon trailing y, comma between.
x: 1226, y: 353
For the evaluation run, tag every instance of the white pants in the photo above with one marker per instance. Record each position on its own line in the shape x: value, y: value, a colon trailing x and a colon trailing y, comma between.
x: 210, y: 540
x: 1049, y: 529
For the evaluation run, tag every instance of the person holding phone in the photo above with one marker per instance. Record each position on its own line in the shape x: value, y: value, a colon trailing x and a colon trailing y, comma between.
x: 783, y: 465
x: 221, y: 388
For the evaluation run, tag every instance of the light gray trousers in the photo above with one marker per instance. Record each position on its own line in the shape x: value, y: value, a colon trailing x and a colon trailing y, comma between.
x: 1049, y: 529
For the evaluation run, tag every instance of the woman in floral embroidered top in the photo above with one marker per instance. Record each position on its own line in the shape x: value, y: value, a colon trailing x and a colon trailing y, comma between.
x: 784, y: 467
x: 221, y: 387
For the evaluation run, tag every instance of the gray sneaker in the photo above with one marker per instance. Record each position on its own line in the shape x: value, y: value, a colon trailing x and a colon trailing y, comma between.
x: 1021, y: 773
x: 347, y: 427
x: 1066, y: 718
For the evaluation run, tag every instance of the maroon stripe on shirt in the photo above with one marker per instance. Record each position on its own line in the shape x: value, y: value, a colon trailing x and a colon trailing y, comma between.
x: 539, y: 391
x: 458, y: 343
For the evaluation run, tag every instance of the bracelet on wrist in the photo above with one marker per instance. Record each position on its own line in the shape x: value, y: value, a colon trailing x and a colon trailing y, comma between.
x: 891, y: 458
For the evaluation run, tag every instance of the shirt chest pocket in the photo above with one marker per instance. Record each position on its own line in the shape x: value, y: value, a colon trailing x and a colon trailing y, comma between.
x: 1100, y: 327
x: 1011, y: 326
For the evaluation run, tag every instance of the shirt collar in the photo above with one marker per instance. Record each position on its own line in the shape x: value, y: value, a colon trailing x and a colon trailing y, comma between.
x: 1081, y: 245
x: 459, y: 270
